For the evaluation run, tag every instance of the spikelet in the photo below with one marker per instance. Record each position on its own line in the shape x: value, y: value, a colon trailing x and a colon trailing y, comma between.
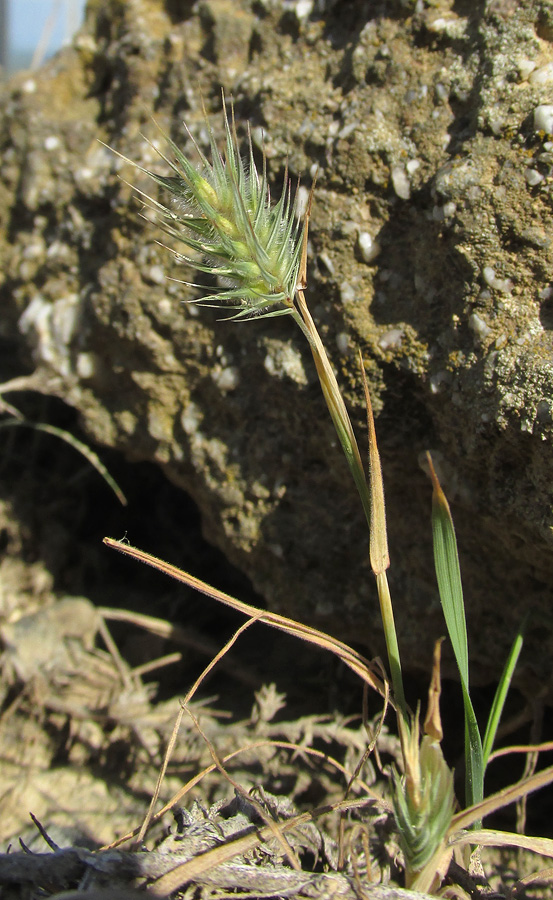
x: 222, y: 212
x: 423, y: 801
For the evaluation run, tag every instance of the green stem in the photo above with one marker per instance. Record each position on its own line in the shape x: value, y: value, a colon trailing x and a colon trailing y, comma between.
x: 390, y: 634
x: 346, y: 436
x: 334, y: 402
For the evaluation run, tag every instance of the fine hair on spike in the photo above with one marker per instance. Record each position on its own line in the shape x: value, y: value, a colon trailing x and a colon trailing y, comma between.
x: 222, y: 216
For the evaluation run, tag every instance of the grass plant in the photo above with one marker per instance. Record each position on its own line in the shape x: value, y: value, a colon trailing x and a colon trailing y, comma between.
x: 17, y: 420
x: 220, y: 213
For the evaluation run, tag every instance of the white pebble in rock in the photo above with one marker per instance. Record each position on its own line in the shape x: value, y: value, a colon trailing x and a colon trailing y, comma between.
x: 303, y: 9
x: 533, y: 177
x: 156, y: 274
x: 543, y: 118
x: 479, y: 328
x: 503, y: 285
x: 347, y: 292
x: 542, y: 75
x: 391, y: 339
x: 400, y: 182
x: 342, y: 342
x: 368, y: 247
x: 52, y: 142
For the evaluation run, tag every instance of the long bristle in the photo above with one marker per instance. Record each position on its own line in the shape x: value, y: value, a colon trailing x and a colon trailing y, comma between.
x: 222, y: 211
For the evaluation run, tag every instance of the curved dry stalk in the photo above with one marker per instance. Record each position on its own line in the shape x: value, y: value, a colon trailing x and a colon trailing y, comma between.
x: 184, y: 706
x: 263, y: 815
x: 488, y: 837
x: 511, y: 794
x: 64, y: 435
x: 520, y: 748
x: 159, y: 663
x: 354, y: 660
x: 370, y: 748
x: 544, y: 875
x: 187, y: 637
x: 141, y: 833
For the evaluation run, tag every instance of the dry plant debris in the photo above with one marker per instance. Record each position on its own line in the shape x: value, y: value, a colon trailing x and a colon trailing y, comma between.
x: 76, y: 716
x: 69, y: 695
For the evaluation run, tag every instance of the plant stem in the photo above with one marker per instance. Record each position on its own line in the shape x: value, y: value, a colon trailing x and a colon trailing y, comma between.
x: 346, y: 435
x: 387, y: 614
x: 334, y: 401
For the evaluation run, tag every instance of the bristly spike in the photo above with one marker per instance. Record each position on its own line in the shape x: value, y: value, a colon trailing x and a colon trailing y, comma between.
x: 222, y: 211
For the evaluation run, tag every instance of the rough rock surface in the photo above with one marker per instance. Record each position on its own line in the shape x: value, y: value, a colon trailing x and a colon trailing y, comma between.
x: 430, y: 249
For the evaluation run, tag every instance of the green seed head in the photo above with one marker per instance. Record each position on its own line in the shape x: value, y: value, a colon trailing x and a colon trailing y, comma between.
x: 424, y: 805
x: 224, y: 215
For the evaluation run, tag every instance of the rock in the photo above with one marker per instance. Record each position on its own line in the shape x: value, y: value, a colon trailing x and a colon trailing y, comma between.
x: 423, y: 127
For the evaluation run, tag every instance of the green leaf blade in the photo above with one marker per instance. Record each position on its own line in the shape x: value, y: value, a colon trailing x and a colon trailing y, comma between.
x: 500, y: 696
x: 448, y: 573
x: 474, y: 760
